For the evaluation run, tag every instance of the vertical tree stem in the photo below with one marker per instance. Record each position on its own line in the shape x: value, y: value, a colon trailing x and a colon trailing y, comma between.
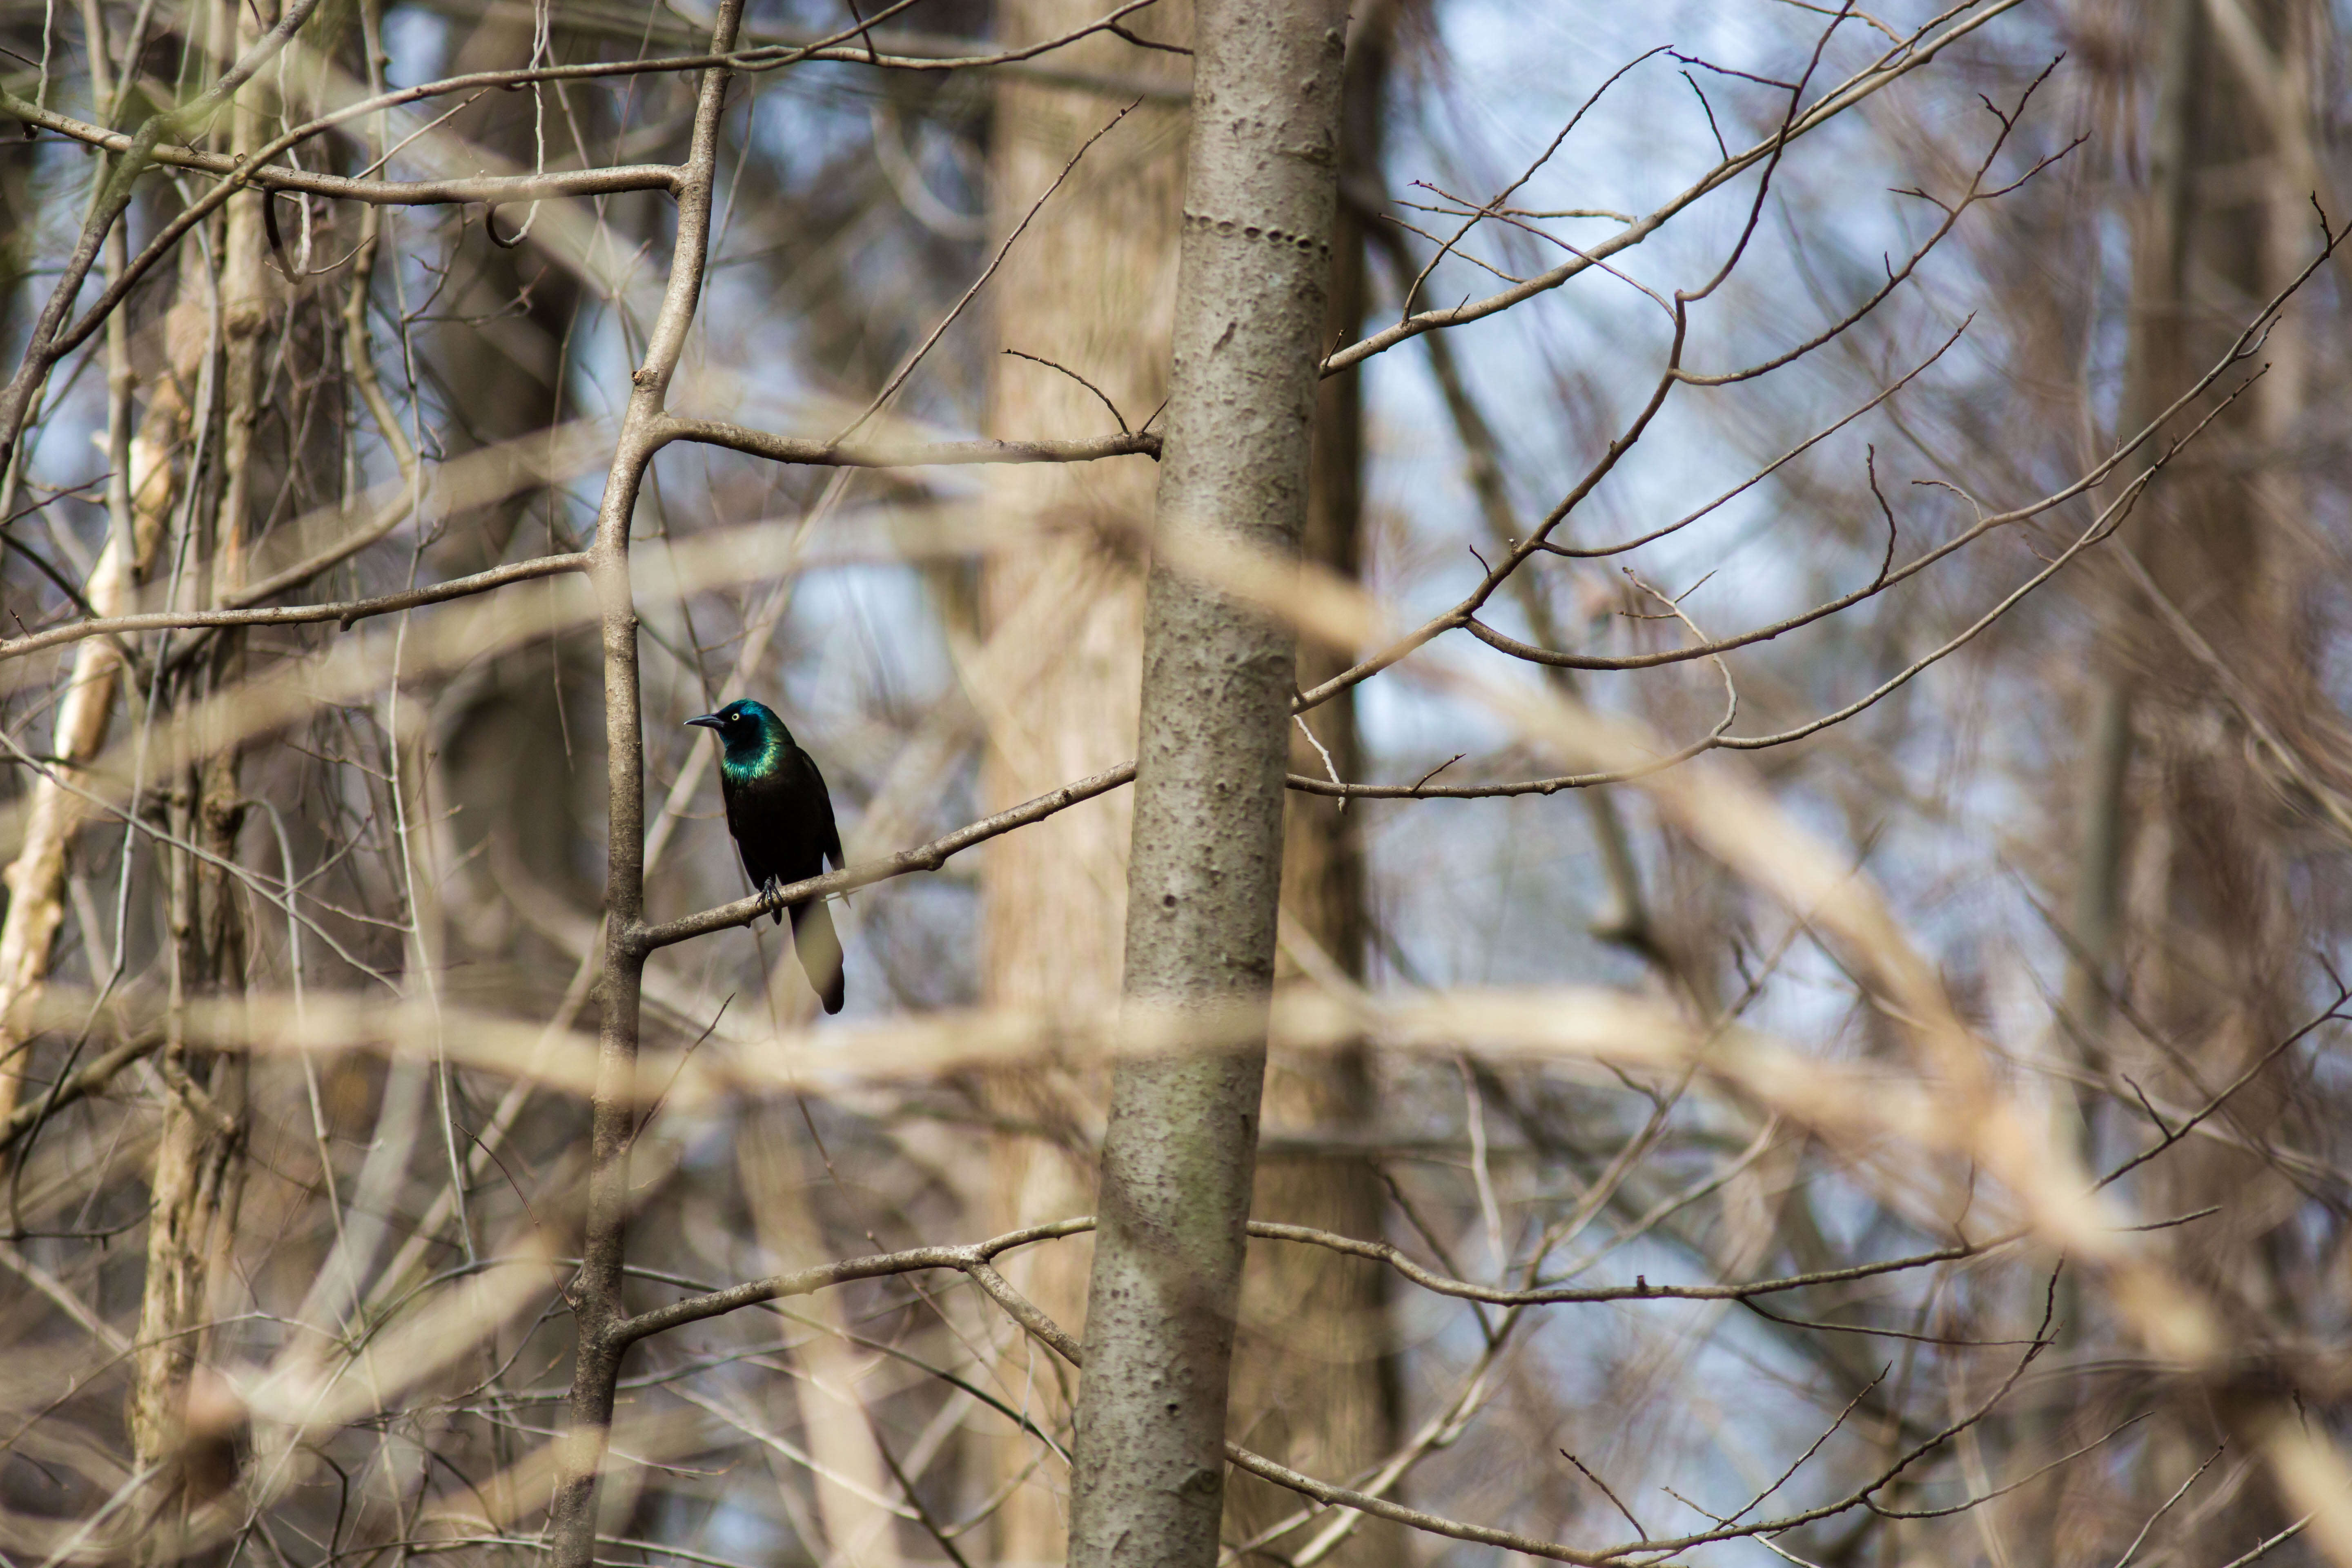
x: 197, y: 1185
x: 596, y: 1303
x: 2153, y: 363
x: 1204, y: 872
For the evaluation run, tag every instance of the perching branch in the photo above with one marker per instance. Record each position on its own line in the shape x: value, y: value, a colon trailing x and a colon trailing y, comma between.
x: 928, y: 856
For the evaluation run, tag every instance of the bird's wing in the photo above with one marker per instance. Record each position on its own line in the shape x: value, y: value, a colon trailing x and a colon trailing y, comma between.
x: 828, y: 833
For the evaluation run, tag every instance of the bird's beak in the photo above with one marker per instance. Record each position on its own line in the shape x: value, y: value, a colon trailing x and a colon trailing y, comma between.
x: 708, y: 721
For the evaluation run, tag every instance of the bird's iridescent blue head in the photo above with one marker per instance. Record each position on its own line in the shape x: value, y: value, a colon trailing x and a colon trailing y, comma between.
x: 751, y: 731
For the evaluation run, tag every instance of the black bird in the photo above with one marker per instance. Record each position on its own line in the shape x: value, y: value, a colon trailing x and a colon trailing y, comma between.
x: 782, y: 818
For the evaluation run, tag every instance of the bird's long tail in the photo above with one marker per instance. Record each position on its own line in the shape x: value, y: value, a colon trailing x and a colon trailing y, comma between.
x: 820, y: 951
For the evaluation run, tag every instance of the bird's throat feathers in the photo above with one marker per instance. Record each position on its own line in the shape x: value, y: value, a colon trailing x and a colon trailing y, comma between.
x: 755, y: 755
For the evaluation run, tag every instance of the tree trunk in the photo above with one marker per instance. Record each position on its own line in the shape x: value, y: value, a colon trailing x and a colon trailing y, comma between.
x: 1313, y: 1379
x: 598, y: 1308
x: 2183, y: 903
x: 1205, y: 859
x: 199, y: 1164
x: 504, y: 353
x: 1092, y: 290
x: 2219, y: 966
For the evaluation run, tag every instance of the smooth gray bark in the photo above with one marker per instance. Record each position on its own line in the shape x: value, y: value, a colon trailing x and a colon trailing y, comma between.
x: 599, y: 1311
x: 1204, y: 874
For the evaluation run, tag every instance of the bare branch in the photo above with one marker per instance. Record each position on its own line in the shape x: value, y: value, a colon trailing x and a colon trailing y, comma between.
x: 1890, y: 67
x: 909, y: 455
x: 492, y: 188
x: 928, y: 856
x: 343, y: 611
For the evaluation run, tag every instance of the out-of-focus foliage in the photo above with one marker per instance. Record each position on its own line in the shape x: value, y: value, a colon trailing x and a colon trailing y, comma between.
x: 300, y: 1141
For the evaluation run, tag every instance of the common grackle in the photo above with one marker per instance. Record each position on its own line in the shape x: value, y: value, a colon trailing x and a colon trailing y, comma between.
x: 782, y: 818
